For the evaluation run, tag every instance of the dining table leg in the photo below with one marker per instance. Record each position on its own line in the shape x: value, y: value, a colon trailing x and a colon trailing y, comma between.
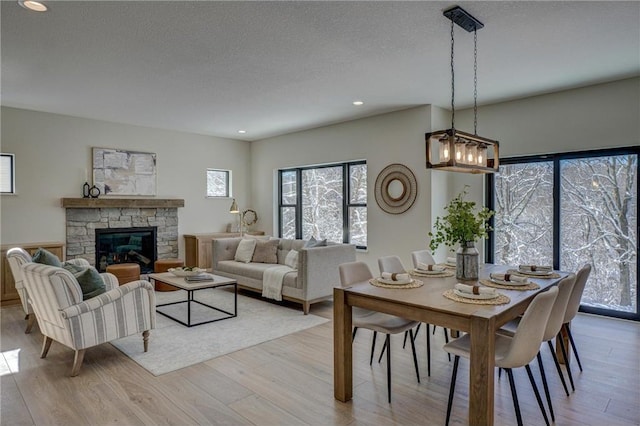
x: 482, y: 364
x: 342, y: 348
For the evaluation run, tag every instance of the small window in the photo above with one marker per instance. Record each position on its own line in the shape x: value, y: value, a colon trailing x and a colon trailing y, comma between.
x: 7, y: 174
x: 218, y: 183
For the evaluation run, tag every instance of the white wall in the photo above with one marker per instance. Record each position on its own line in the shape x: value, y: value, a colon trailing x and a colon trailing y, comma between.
x: 52, y: 151
x: 381, y: 140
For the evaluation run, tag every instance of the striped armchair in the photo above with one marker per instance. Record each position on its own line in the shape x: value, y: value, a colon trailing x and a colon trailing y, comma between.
x: 56, y: 298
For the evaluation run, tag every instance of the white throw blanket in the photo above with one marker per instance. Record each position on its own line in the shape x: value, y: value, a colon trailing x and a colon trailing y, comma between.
x: 272, y: 281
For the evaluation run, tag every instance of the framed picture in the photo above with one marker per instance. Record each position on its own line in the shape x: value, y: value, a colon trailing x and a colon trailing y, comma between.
x: 122, y: 172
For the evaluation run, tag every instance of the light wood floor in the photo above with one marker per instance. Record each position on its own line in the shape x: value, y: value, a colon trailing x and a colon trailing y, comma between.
x: 289, y: 381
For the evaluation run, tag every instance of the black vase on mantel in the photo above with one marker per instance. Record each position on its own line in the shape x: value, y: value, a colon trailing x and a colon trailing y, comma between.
x: 467, y: 261
x: 94, y: 192
x: 86, y: 190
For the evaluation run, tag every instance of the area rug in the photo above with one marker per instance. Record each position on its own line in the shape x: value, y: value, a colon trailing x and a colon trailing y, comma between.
x: 173, y: 346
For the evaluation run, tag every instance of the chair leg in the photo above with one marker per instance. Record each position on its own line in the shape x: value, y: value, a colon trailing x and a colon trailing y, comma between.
x: 373, y: 347
x: 555, y: 360
x: 415, y: 357
x: 353, y: 333
x: 573, y: 345
x: 384, y: 348
x: 499, y: 373
x: 545, y: 386
x: 31, y: 319
x: 46, y: 344
x: 388, y: 345
x: 404, y: 342
x: 452, y: 388
x: 446, y: 340
x: 566, y: 363
x: 514, y: 395
x: 537, y: 393
x: 429, y: 351
x: 77, y: 362
x: 145, y: 340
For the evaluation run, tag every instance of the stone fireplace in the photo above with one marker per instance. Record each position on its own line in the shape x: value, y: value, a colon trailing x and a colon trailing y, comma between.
x: 85, y: 216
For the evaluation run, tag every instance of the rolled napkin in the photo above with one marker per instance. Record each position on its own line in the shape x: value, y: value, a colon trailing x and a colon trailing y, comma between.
x: 474, y: 289
x: 535, y: 268
x: 426, y: 267
x: 401, y: 277
x: 509, y: 277
x: 452, y: 260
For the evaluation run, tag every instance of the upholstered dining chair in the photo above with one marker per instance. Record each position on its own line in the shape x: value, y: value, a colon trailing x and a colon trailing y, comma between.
x: 565, y: 286
x: 378, y: 322
x: 512, y: 352
x: 572, y: 309
x: 63, y: 316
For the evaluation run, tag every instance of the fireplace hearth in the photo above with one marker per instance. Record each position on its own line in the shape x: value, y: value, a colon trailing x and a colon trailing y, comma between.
x: 126, y: 245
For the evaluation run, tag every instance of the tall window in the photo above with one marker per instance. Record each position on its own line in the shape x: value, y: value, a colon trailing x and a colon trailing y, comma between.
x: 7, y: 174
x: 328, y: 201
x: 571, y: 209
x: 218, y: 183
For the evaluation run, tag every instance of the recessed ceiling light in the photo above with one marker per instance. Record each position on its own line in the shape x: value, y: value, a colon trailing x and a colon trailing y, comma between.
x: 358, y: 103
x: 36, y: 6
x: 242, y: 132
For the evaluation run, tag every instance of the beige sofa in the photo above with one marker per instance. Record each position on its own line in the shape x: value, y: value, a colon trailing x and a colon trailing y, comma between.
x: 316, y: 276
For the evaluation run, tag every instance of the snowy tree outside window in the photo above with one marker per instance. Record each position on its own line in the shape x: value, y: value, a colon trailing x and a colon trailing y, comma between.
x: 218, y: 183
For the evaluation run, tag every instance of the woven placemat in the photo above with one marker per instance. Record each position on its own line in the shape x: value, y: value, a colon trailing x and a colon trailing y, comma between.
x: 412, y: 284
x: 446, y: 265
x: 529, y: 286
x: 440, y: 275
x: 524, y: 274
x: 500, y: 300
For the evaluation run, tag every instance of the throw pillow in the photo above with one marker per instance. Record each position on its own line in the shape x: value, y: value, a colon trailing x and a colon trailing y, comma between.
x: 266, y: 251
x: 244, y: 253
x: 45, y: 257
x: 315, y: 243
x: 88, y: 278
x: 292, y: 259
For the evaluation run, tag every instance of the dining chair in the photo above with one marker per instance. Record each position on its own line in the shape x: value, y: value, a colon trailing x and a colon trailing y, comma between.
x: 572, y: 309
x: 355, y: 272
x: 565, y: 286
x: 512, y: 351
x: 424, y: 256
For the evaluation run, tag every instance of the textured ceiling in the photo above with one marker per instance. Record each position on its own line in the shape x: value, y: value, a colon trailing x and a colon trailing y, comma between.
x: 277, y: 67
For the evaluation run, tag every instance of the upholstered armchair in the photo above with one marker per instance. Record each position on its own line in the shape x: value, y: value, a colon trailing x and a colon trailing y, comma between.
x: 56, y: 298
x: 18, y: 257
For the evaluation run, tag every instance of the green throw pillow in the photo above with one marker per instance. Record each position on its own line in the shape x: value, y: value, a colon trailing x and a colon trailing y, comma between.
x: 46, y: 258
x: 89, y: 279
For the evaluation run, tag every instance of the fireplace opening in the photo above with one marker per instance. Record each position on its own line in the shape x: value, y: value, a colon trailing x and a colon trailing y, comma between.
x: 126, y: 245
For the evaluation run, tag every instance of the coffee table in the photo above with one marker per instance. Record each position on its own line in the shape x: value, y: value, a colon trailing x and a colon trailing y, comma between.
x: 191, y: 288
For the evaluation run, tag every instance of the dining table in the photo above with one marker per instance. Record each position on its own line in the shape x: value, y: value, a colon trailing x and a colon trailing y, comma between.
x: 427, y: 304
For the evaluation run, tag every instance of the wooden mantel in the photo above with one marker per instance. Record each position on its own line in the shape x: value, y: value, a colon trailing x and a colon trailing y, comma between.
x: 104, y: 203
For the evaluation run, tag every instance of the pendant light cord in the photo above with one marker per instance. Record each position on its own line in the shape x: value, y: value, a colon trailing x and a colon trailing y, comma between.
x: 453, y: 85
x: 475, y: 81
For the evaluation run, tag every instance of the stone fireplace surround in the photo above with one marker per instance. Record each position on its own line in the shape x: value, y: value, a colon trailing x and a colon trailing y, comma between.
x: 85, y: 215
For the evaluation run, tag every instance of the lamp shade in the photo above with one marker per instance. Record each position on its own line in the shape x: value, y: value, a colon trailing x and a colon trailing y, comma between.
x: 234, y: 207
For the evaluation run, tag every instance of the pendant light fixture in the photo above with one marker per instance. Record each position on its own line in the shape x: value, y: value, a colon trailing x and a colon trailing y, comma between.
x: 452, y: 149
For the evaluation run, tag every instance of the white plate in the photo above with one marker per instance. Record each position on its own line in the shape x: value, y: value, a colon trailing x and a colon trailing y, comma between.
x: 391, y: 282
x: 179, y: 272
x: 536, y: 273
x: 501, y: 282
x: 482, y: 296
x: 423, y: 272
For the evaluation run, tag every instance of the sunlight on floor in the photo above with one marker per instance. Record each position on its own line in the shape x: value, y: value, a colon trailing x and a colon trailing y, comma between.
x: 10, y: 362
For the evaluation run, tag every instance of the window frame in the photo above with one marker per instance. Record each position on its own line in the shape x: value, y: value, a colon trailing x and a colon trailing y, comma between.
x: 12, y: 173
x: 556, y: 159
x: 227, y: 183
x: 346, y: 199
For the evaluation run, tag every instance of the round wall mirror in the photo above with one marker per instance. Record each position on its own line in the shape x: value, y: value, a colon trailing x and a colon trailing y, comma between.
x: 396, y: 189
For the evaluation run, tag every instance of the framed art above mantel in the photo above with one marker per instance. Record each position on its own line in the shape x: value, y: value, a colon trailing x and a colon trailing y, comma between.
x: 123, y: 172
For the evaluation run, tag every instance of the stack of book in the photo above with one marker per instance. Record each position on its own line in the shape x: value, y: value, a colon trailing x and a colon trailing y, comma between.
x: 199, y: 278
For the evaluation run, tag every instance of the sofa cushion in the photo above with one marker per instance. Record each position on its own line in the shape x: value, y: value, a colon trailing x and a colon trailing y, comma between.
x: 315, y: 243
x: 286, y: 245
x: 244, y: 253
x: 45, y: 257
x: 266, y: 251
x: 254, y: 271
x: 292, y: 259
x: 88, y: 277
